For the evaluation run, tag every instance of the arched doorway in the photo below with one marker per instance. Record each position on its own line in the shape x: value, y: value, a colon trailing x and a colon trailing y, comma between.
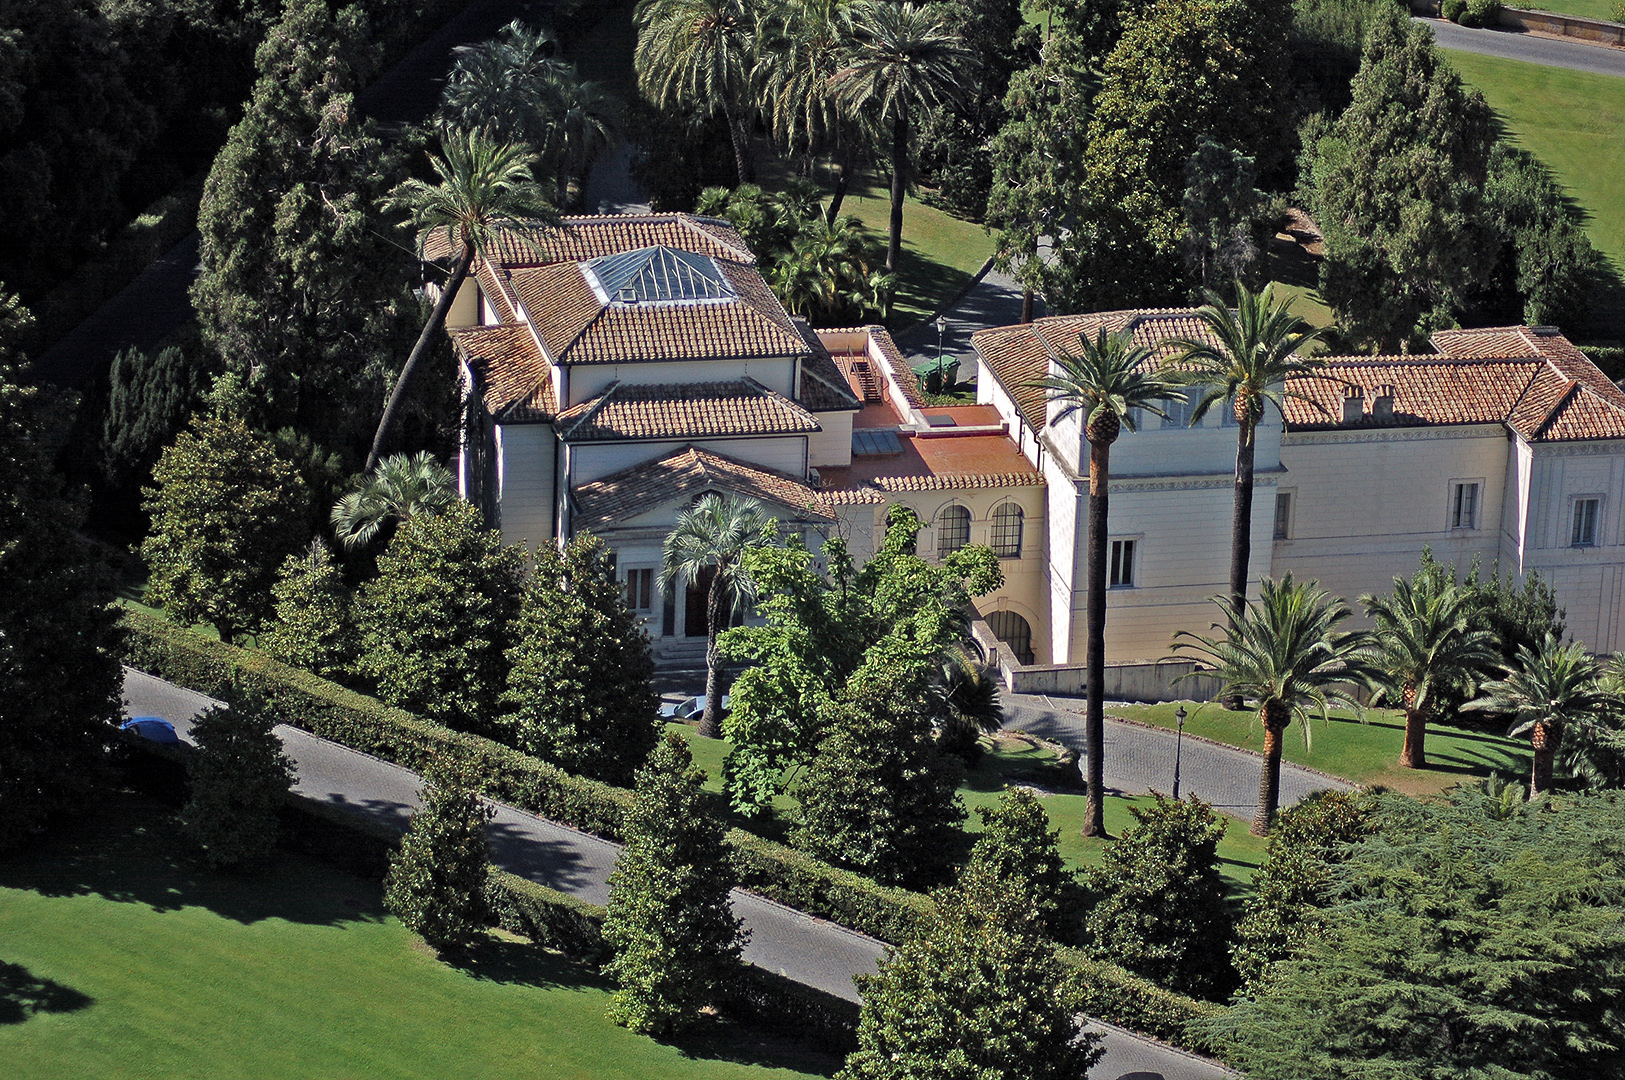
x: 1014, y: 631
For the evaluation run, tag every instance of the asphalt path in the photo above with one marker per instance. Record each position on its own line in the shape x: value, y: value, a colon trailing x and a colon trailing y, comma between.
x: 1571, y: 53
x: 796, y: 945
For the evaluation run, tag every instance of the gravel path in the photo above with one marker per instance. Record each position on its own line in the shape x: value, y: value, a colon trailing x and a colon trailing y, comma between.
x: 1141, y: 759
x: 803, y: 948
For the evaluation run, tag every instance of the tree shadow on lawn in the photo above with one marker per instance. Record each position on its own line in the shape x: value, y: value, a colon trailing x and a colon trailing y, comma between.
x: 719, y: 1039
x: 24, y: 995
x: 130, y: 849
x: 508, y: 959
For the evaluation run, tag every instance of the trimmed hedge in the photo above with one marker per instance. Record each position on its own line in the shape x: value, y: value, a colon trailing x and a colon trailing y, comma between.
x: 1110, y: 993
x: 560, y: 921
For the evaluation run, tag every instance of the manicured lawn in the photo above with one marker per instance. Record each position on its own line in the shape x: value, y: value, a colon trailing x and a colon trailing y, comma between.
x: 119, y: 957
x: 1571, y: 120
x: 1364, y: 753
x: 1013, y: 761
x: 1586, y: 9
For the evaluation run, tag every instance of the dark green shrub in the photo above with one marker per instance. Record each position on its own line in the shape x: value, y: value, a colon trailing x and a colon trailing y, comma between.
x: 548, y: 917
x: 1453, y: 10
x: 1018, y: 848
x: 1160, y: 910
x: 675, y: 938
x: 437, y: 881
x: 1481, y: 13
x: 313, y: 629
x: 1107, y: 992
x: 239, y: 779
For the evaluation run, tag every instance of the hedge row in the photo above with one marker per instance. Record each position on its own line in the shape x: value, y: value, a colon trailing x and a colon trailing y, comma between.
x: 778, y: 872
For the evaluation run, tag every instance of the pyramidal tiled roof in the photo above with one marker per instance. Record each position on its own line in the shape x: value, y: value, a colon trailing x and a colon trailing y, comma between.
x: 688, y: 473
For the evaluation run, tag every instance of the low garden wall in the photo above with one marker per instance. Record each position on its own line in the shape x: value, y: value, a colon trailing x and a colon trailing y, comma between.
x: 1140, y: 681
x: 1560, y: 25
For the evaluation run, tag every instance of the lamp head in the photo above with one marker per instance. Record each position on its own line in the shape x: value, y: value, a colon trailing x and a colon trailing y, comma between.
x: 1179, y: 715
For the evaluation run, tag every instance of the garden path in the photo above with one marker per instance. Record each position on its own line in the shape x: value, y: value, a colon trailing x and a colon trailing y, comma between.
x: 1571, y: 53
x: 789, y: 942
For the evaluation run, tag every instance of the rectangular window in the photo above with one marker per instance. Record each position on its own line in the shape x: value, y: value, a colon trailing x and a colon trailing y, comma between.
x: 1464, y: 506
x: 1283, y: 514
x: 640, y: 590
x: 1585, y: 523
x: 1178, y: 409
x: 1121, y: 575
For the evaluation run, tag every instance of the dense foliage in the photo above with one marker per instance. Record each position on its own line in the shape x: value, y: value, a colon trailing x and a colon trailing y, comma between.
x: 437, y: 620
x: 676, y: 941
x: 239, y: 779
x: 313, y: 628
x: 59, y: 682
x: 1469, y: 939
x: 1017, y: 848
x: 437, y: 880
x: 580, y: 668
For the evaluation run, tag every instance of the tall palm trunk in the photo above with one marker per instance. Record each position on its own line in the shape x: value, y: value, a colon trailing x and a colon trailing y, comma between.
x: 437, y: 318
x: 1094, y: 725
x: 744, y: 167
x: 1414, y: 755
x: 1241, y: 526
x: 899, y: 174
x: 711, y: 719
x: 1544, y: 740
x: 843, y: 180
x: 1276, y: 715
x: 1027, y: 304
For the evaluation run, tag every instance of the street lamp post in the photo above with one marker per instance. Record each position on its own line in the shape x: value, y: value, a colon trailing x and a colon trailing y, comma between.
x: 942, y: 326
x: 1179, y: 747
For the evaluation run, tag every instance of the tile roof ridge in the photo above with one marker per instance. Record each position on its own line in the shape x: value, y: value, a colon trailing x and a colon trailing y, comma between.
x: 773, y: 395
x: 1574, y: 387
x: 590, y: 408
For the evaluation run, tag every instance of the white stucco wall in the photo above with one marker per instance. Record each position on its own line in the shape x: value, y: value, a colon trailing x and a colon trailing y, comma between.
x: 525, y: 482
x: 831, y: 446
x: 591, y: 461
x: 587, y: 381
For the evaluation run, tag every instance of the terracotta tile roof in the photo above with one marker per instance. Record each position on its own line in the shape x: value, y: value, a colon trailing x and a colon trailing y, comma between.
x: 577, y: 239
x: 560, y: 303
x: 510, y: 373
x: 936, y: 462
x: 900, y: 369
x: 686, y: 474
x: 1569, y: 399
x: 875, y: 491
x: 1427, y: 390
x: 685, y: 411
x: 823, y: 388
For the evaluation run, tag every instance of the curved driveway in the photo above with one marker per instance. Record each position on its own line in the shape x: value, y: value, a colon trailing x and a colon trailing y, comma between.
x: 794, y: 944
x: 1571, y: 53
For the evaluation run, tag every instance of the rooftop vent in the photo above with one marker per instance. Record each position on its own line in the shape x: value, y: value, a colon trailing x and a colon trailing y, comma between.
x: 658, y: 275
x: 1353, y: 404
x: 1382, y: 403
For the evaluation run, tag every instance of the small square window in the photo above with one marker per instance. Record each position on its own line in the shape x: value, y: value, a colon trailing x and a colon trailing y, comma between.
x: 1121, y: 575
x: 1464, y: 506
x: 1584, y: 533
x: 1283, y: 515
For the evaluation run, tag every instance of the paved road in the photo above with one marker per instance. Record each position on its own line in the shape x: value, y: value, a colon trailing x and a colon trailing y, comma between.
x: 1568, y: 53
x: 1141, y: 759
x: 809, y: 950
x: 993, y: 301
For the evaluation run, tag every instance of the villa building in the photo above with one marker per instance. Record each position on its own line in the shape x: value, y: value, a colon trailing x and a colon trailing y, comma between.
x: 617, y: 368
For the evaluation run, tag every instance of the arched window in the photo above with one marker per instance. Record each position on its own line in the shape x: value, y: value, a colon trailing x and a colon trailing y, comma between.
x: 1013, y: 630
x: 953, y: 530
x: 1007, y: 531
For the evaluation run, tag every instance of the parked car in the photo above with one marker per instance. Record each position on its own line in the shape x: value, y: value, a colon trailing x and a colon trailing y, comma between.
x: 152, y: 728
x: 689, y: 708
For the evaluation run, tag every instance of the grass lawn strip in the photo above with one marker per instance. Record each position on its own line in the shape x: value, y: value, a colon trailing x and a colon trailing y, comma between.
x: 159, y: 967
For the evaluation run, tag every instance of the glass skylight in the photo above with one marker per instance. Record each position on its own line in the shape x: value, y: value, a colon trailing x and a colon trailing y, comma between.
x: 658, y: 275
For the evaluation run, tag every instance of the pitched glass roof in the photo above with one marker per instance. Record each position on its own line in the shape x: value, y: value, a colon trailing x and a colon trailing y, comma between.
x: 658, y: 275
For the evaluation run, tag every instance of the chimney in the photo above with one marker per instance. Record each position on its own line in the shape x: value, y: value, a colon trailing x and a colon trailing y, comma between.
x: 1353, y: 404
x: 1382, y: 404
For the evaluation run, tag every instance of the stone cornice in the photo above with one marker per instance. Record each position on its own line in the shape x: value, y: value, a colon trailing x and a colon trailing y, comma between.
x: 1392, y: 434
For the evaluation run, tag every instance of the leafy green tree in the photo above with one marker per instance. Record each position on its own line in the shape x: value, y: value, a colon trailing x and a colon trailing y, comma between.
x: 239, y: 781
x: 59, y: 674
x: 303, y: 287
x: 901, y: 60
x: 1109, y: 380
x: 676, y: 940
x: 1292, y: 887
x: 700, y: 53
x: 436, y: 880
x: 1428, y: 645
x: 973, y: 995
x: 879, y: 796
x: 1018, y: 849
x: 481, y: 185
x: 705, y: 548
x: 1283, y: 651
x: 1547, y: 269
x: 1243, y: 362
x: 1470, y: 939
x: 1160, y: 909
x: 399, y: 487
x: 313, y: 628
x: 827, y: 631
x: 1552, y: 690
x: 226, y: 510
x: 1397, y: 185
x: 150, y: 397
x: 580, y: 670
x: 436, y: 621
x: 1222, y: 214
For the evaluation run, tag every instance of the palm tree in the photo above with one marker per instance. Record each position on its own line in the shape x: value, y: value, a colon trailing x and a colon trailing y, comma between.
x: 497, y: 87
x: 1428, y: 643
x: 399, y: 488
x: 700, y: 53
x: 1285, y: 652
x: 1249, y: 354
x: 482, y: 184
x: 1107, y: 380
x: 586, y: 120
x: 901, y: 58
x: 709, y: 539
x: 801, y: 45
x: 1552, y: 690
